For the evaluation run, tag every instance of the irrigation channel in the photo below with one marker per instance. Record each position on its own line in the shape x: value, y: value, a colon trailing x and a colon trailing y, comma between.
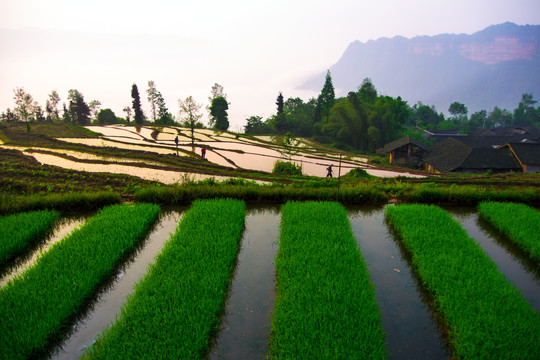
x: 411, y: 328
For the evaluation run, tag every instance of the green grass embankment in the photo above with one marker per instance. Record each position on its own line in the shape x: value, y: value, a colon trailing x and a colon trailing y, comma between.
x: 38, y: 306
x: 174, y: 311
x: 19, y: 231
x: 325, y: 306
x: 519, y: 222
x: 486, y: 316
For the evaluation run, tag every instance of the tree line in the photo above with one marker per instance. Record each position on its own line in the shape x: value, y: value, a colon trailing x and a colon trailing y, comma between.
x: 79, y: 112
x: 365, y: 120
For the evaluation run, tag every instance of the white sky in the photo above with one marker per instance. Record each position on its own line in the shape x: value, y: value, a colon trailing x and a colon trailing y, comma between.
x: 254, y: 48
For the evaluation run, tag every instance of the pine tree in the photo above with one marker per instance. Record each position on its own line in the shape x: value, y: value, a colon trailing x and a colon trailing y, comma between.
x: 279, y: 103
x: 327, y: 97
x: 139, y: 117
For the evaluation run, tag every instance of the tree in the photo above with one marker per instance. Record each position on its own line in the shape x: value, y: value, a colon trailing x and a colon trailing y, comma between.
x: 189, y: 112
x: 79, y: 112
x: 139, y: 116
x: 279, y: 103
x: 367, y: 91
x: 500, y: 117
x: 164, y: 117
x: 106, y: 116
x: 24, y: 104
x: 127, y: 110
x: 459, y: 112
x: 8, y: 116
x: 255, y: 126
x: 327, y: 97
x: 153, y: 95
x: 217, y: 91
x: 94, y: 108
x: 51, y: 106
x: 525, y: 113
x: 218, y: 112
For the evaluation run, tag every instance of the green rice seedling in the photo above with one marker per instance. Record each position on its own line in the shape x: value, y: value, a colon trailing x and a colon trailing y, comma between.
x: 18, y: 232
x: 519, y: 222
x: 38, y: 306
x: 325, y: 306
x: 486, y: 316
x: 175, y: 309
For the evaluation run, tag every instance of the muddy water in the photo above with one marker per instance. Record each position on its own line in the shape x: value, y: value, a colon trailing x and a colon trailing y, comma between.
x: 104, y: 312
x: 61, y: 230
x: 246, y: 325
x: 411, y: 331
x: 511, y: 261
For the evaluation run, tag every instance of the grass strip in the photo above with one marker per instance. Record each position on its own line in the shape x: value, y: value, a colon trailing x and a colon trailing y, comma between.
x: 486, y: 316
x: 519, y: 222
x: 21, y: 230
x: 61, y: 202
x: 40, y: 304
x: 175, y: 309
x: 325, y: 307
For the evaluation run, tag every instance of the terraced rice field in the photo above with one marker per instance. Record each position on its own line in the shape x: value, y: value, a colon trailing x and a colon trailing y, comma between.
x: 255, y: 306
x: 223, y: 149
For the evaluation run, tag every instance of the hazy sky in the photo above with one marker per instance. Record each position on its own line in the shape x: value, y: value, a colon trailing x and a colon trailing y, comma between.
x: 253, y: 48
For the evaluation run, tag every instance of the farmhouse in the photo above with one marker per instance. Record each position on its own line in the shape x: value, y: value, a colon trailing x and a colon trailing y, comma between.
x: 526, y: 154
x: 453, y: 155
x: 405, y: 151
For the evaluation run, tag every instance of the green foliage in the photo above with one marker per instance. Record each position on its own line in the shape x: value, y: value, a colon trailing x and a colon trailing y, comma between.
x: 21, y: 230
x: 519, y: 222
x: 286, y: 168
x: 61, y: 202
x: 255, y: 126
x: 218, y: 111
x: 43, y: 300
x: 326, y: 98
x: 325, y: 307
x: 79, y: 112
x: 359, y: 173
x: 473, y: 298
x: 137, y: 108
x: 106, y: 116
x: 179, y: 302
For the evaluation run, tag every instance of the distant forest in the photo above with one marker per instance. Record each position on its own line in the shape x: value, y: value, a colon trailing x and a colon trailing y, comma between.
x: 363, y: 121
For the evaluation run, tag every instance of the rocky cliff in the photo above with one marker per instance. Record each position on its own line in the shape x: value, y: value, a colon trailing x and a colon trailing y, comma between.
x: 492, y: 67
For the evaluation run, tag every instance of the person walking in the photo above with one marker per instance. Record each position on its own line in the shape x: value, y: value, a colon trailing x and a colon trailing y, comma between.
x: 329, y: 169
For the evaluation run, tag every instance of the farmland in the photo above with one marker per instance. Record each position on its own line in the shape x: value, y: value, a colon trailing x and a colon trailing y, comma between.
x: 239, y: 303
x: 397, y: 302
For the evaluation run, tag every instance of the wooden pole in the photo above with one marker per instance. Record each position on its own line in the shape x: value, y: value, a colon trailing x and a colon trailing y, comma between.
x: 339, y: 178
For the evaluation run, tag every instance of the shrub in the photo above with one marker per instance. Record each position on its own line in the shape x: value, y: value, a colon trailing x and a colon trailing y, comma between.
x: 286, y: 168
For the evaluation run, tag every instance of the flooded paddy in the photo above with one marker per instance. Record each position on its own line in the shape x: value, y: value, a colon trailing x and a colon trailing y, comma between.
x: 245, y: 328
x: 518, y: 268
x: 64, y: 227
x: 104, y: 311
x: 408, y: 321
x: 412, y: 332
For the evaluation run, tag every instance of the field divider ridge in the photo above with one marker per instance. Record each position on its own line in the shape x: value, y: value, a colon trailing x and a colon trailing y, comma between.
x: 175, y: 310
x: 38, y: 306
x: 325, y: 306
x: 485, y: 315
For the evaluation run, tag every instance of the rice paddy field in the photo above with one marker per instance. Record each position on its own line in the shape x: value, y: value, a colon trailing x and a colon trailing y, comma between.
x: 224, y: 280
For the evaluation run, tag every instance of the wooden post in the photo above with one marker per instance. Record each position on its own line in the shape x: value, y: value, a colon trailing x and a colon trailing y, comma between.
x: 339, y: 178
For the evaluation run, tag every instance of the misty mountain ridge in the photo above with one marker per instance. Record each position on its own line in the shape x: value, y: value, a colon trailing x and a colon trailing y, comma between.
x: 489, y: 68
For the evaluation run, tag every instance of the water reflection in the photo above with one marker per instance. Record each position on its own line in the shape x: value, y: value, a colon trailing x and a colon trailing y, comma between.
x: 107, y: 308
x: 510, y: 260
x: 245, y: 327
x: 411, y: 331
x: 63, y: 228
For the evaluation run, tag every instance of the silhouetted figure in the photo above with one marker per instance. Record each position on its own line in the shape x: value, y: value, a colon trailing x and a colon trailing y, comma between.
x: 176, y: 140
x: 329, y: 169
x: 203, y: 152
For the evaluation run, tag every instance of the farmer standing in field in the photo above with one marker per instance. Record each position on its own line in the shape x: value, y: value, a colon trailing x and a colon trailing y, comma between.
x: 203, y: 152
x: 329, y: 169
x: 176, y: 142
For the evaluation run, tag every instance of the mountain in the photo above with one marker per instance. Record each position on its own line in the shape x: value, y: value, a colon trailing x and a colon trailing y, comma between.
x: 492, y: 67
